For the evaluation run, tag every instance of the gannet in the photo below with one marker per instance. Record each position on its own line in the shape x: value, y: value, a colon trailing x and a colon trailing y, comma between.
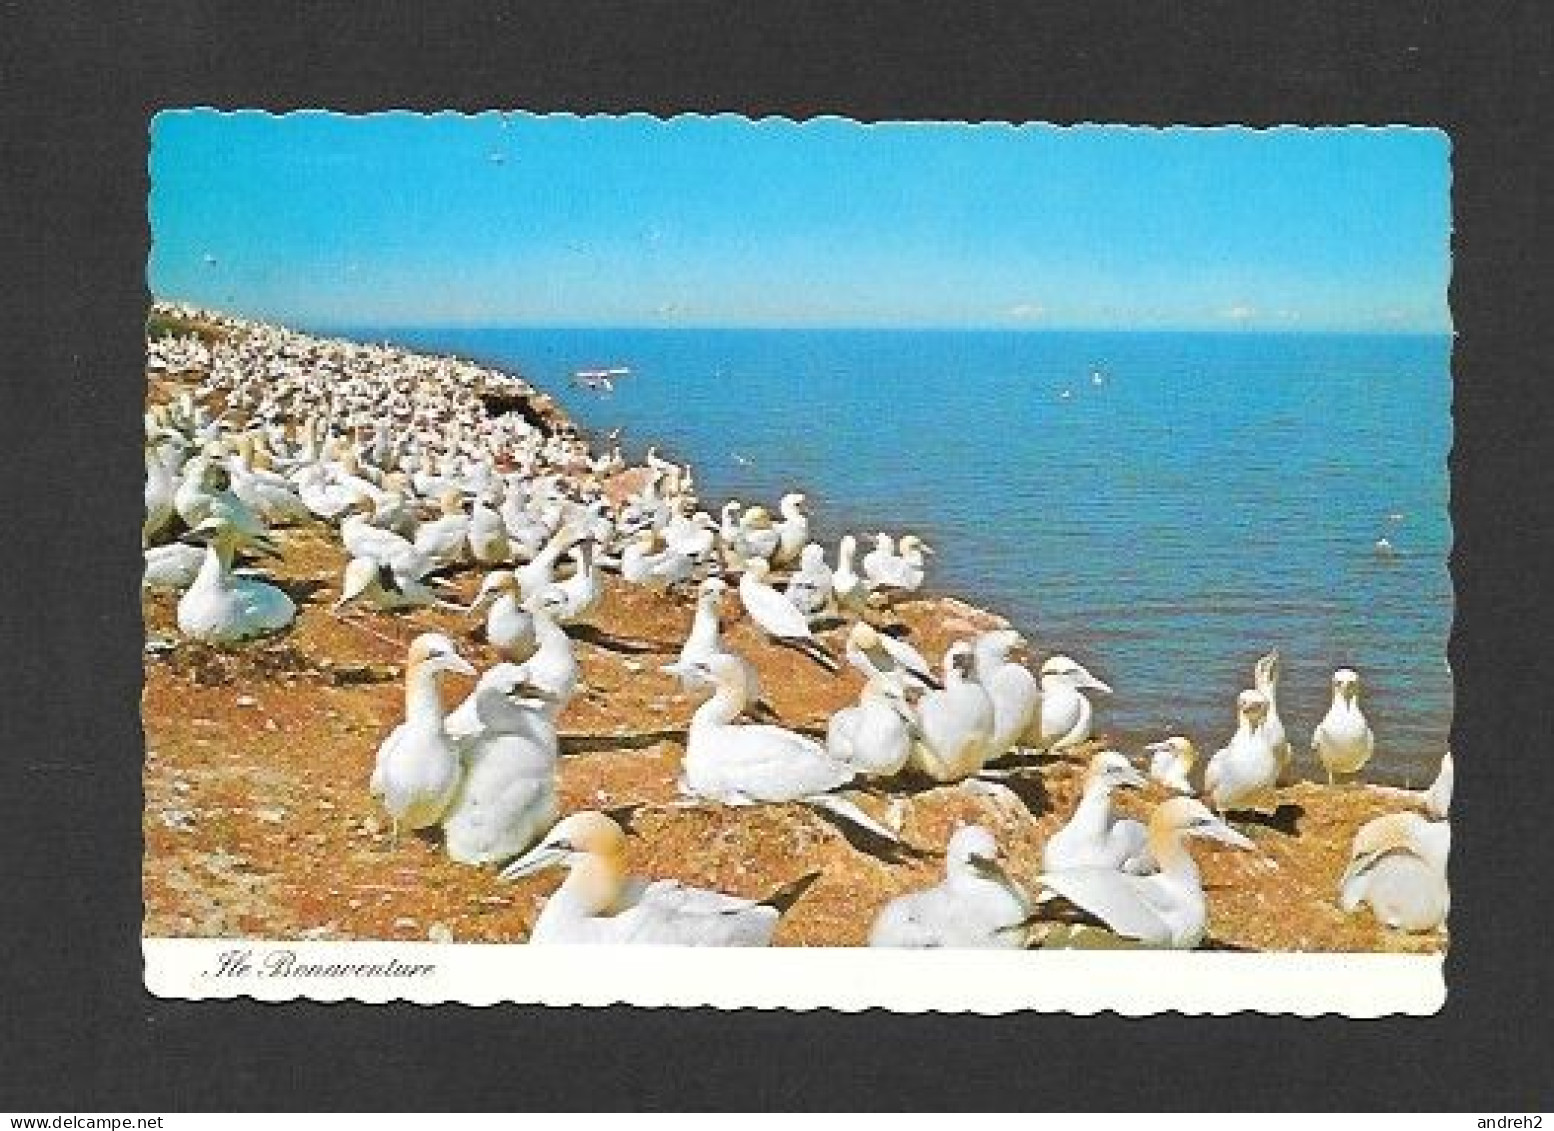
x: 977, y: 904
x: 755, y: 763
x: 1242, y: 775
x: 1094, y: 836
x: 599, y: 903
x: 323, y: 497
x: 692, y: 536
x: 757, y: 537
x: 553, y: 666
x: 418, y: 767
x: 900, y: 568
x: 205, y: 495
x: 1171, y: 760
x: 955, y: 725
x: 705, y: 640
x: 1066, y: 714
x: 728, y: 534
x: 539, y: 574
x: 1343, y: 741
x: 580, y: 594
x: 1265, y: 678
x: 161, y: 486
x: 873, y: 653
x: 1398, y: 865
x: 370, y: 581
x: 509, y: 624
x: 364, y: 540
x: 487, y: 535
x: 1166, y: 909
x: 640, y: 565
x: 506, y: 799
x: 269, y: 495
x: 809, y: 589
x: 878, y: 560
x: 445, y: 539
x: 792, y: 531
x: 773, y: 614
x: 849, y: 589
x: 223, y: 608
x: 874, y: 737
x: 1015, y: 694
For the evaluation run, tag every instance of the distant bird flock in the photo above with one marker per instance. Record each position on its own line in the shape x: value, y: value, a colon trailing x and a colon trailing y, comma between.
x: 396, y: 453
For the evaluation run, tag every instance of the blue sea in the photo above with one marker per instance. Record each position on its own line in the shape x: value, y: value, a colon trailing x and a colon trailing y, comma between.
x: 1212, y: 496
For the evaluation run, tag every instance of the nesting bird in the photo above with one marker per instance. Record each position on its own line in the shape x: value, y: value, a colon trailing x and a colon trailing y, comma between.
x: 599, y: 902
x: 418, y: 765
x: 1397, y: 865
x: 977, y: 904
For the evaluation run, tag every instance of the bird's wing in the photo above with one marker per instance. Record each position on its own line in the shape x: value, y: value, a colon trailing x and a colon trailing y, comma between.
x: 906, y: 655
x: 671, y: 912
x: 773, y: 612
x: 1118, y: 900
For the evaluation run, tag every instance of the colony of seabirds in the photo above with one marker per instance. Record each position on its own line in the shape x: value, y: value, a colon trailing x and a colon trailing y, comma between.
x: 396, y: 452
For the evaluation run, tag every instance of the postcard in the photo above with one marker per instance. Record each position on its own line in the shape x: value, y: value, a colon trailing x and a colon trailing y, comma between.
x: 922, y: 566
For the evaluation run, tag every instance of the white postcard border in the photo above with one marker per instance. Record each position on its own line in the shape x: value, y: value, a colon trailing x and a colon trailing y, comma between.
x: 939, y: 981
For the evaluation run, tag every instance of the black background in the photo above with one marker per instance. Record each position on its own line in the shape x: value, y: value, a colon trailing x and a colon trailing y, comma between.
x: 78, y: 86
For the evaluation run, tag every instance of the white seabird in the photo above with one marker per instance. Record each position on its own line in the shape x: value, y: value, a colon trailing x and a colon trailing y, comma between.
x: 599, y: 903
x: 1015, y: 694
x: 755, y: 763
x: 418, y: 766
x: 977, y: 904
x: 955, y: 725
x: 1171, y: 760
x: 1265, y: 678
x: 1398, y: 865
x: 1094, y: 836
x: 1343, y: 741
x: 509, y: 624
x: 849, y: 589
x: 223, y: 608
x: 776, y: 617
x: 1066, y: 714
x: 792, y: 531
x: 1168, y: 908
x: 370, y: 581
x: 507, y: 797
x: 873, y: 653
x: 809, y: 589
x: 875, y: 736
x: 705, y: 641
x: 1244, y: 774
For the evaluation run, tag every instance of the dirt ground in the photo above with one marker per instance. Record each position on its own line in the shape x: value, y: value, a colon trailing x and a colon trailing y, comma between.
x: 258, y: 822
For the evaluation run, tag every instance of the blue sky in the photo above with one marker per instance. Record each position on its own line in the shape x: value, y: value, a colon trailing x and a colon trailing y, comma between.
x: 403, y: 220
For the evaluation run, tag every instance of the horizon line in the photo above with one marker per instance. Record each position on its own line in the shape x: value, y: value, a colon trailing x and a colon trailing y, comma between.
x: 325, y: 326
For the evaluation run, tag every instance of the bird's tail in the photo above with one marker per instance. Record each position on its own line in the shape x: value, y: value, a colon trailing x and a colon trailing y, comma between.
x: 789, y: 894
x: 845, y: 810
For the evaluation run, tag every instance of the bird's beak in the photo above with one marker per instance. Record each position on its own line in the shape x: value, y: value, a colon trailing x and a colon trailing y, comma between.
x: 1158, y: 748
x: 929, y: 550
x: 537, y: 860
x: 1225, y: 835
x: 1088, y: 680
